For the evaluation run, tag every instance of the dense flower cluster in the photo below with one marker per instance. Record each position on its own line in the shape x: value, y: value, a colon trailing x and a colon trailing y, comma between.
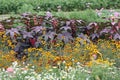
x: 104, y: 52
x: 61, y: 46
x: 16, y: 71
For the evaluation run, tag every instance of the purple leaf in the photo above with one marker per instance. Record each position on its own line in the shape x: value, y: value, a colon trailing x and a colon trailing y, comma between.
x: 91, y: 25
x: 50, y: 35
x: 48, y: 15
x: 12, y: 32
x: 80, y: 21
x: 84, y: 37
x: 106, y: 30
x: 113, y: 23
x: 66, y: 28
x: 116, y: 14
x: 94, y: 35
x: 67, y: 23
x: 37, y: 29
x: 65, y: 36
x: 27, y: 34
x: 116, y: 36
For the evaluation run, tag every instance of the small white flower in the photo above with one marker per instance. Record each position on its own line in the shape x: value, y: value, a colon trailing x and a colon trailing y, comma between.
x: 33, y: 66
x: 38, y: 7
x: 14, y: 64
x: 72, y: 59
x: 24, y: 72
x: 64, y: 62
x: 78, y: 63
x: 87, y: 78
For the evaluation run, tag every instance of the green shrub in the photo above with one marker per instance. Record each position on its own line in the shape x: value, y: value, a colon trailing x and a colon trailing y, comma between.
x: 26, y: 8
x: 7, y: 6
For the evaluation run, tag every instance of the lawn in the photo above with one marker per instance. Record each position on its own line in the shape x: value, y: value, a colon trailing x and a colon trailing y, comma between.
x: 87, y: 15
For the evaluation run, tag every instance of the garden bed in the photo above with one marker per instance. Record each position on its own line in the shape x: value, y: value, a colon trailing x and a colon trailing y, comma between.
x: 49, y: 47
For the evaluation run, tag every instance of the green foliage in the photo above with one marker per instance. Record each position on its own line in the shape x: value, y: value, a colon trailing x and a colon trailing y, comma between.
x: 97, y: 72
x: 104, y: 73
x: 88, y: 15
x: 25, y: 8
x: 7, y: 6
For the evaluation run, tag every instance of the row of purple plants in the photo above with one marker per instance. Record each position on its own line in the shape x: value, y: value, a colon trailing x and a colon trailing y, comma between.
x: 29, y: 28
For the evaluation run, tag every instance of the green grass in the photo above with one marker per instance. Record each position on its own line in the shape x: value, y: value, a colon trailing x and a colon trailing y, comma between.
x: 2, y: 17
x: 86, y: 15
x: 18, y: 6
x: 6, y: 16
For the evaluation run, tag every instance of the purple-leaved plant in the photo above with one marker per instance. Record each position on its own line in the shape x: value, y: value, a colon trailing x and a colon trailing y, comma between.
x: 37, y: 29
x: 26, y: 34
x: 12, y: 32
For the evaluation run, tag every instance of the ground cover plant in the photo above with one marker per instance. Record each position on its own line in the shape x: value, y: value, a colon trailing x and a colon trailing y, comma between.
x: 48, y: 47
x: 17, y: 72
x: 19, y: 6
x: 88, y: 15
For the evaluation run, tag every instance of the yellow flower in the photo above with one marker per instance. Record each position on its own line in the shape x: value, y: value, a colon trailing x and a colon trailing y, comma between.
x: 63, y: 37
x: 4, y: 36
x: 30, y: 50
x: 78, y: 39
x: 40, y: 49
x: 12, y: 52
x: 68, y: 64
x: 2, y: 33
x: 36, y: 54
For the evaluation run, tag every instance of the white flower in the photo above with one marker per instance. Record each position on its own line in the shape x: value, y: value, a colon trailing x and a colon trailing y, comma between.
x: 32, y: 78
x: 33, y: 66
x: 14, y: 64
x: 72, y: 59
x: 24, y: 72
x: 64, y: 62
x: 87, y: 78
x: 78, y: 63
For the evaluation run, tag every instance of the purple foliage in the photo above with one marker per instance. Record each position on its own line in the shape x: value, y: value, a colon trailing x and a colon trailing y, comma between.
x: 50, y: 35
x: 65, y: 36
x: 12, y: 32
x: 37, y: 29
x: 94, y: 35
x: 27, y: 34
x: 65, y: 28
x: 48, y: 15
x: 91, y: 25
x: 60, y: 29
x: 106, y: 30
x: 116, y: 36
x: 84, y: 37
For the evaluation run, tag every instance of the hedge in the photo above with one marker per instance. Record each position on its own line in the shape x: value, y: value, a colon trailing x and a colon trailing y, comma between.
x: 17, y: 6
